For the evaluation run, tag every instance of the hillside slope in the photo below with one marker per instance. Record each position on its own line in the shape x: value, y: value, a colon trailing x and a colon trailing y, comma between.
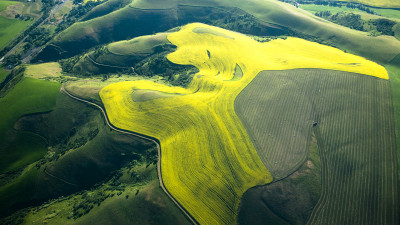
x: 274, y: 18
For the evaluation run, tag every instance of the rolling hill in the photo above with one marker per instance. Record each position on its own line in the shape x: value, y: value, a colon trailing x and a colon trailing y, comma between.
x: 215, y: 150
x: 202, y: 112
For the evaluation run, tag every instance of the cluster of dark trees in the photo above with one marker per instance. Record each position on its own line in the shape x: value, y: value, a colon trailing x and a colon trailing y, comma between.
x: 88, y: 202
x: 354, y: 21
x: 23, y: 17
x: 384, y: 26
x: 158, y: 64
x: 37, y: 37
x: 360, y: 7
x: 350, y: 20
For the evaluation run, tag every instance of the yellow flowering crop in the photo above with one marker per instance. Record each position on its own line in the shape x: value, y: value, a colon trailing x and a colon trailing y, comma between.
x: 208, y: 160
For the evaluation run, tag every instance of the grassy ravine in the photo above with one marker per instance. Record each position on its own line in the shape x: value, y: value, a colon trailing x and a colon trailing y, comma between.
x: 355, y: 132
x: 288, y: 201
x: 28, y: 96
x: 208, y: 160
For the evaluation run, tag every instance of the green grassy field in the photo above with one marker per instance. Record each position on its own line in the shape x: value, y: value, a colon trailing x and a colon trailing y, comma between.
x: 389, y: 13
x: 43, y: 70
x: 20, y: 189
x: 10, y: 28
x: 4, y: 4
x: 319, y: 8
x: 3, y: 74
x: 25, y: 148
x: 141, y: 45
x: 33, y: 8
x: 28, y: 96
x: 397, y: 31
x: 155, y: 4
x: 378, y: 3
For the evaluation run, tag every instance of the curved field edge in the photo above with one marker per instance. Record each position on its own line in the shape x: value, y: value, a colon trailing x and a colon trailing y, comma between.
x: 208, y: 159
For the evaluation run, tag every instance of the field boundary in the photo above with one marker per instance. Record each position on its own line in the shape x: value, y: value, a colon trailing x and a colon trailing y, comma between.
x: 155, y: 141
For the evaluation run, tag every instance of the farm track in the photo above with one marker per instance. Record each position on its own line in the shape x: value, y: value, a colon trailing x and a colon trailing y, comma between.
x: 60, y: 179
x: 354, y: 131
x: 183, y: 210
x: 104, y: 65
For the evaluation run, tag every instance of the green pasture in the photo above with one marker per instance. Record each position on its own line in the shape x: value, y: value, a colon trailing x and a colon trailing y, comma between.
x: 141, y: 45
x: 4, y: 4
x: 28, y: 96
x: 10, y: 28
x: 3, y: 74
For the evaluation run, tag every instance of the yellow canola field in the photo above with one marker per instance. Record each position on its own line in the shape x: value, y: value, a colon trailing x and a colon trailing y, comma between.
x: 208, y: 160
